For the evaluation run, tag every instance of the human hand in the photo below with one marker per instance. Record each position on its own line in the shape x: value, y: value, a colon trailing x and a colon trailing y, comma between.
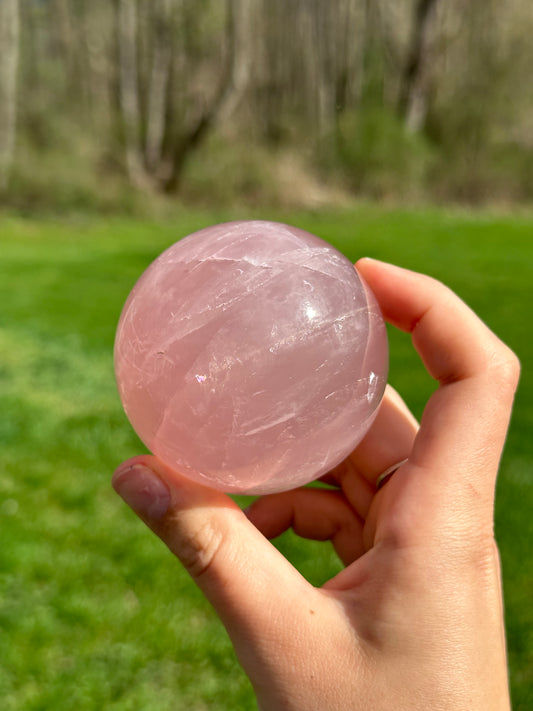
x: 415, y: 619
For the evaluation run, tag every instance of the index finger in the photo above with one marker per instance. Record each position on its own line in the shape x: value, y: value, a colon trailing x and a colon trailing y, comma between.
x: 465, y: 422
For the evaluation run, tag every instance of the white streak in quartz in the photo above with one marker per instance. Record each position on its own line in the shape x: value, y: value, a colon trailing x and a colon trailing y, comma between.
x: 317, y: 330
x: 208, y: 309
x: 269, y: 425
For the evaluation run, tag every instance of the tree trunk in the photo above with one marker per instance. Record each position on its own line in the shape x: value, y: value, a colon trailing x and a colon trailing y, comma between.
x: 98, y: 67
x: 414, y: 87
x: 64, y: 25
x: 129, y: 92
x: 158, y: 86
x: 9, y: 55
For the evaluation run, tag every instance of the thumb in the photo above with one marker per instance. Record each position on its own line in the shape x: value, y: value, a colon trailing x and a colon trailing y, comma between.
x: 245, y: 578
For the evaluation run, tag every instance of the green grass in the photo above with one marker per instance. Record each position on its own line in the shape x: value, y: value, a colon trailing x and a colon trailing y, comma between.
x: 94, y: 612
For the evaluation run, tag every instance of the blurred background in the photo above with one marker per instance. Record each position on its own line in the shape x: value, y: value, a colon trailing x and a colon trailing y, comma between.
x: 267, y: 101
x: 398, y: 130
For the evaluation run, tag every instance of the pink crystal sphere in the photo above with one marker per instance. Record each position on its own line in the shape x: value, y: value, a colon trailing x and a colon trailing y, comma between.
x: 251, y: 357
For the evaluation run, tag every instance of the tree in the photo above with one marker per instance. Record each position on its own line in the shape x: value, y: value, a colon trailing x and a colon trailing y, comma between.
x: 159, y: 134
x: 129, y: 91
x: 232, y: 82
x: 9, y: 56
x: 159, y: 81
x: 415, y: 85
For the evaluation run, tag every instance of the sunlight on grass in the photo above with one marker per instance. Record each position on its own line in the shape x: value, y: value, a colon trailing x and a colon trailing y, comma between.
x: 94, y: 612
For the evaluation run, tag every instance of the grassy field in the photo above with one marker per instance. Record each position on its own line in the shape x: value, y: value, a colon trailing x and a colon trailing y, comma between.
x: 94, y: 613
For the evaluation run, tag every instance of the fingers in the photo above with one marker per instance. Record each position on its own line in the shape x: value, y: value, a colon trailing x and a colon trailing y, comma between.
x: 465, y: 422
x: 388, y: 443
x: 315, y: 514
x: 389, y: 440
x: 245, y: 578
x: 339, y: 516
x: 452, y: 341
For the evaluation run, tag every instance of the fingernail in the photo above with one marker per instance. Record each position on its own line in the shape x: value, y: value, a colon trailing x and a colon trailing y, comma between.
x: 142, y: 490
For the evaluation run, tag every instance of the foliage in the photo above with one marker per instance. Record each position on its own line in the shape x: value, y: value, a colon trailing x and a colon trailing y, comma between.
x: 94, y: 612
x: 380, y: 158
x: 392, y: 100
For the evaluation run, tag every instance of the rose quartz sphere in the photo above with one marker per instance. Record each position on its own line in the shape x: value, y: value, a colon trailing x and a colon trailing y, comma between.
x: 251, y: 357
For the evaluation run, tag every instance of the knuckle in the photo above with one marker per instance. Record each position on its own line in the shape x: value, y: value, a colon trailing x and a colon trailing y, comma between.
x: 504, y: 368
x: 197, y: 545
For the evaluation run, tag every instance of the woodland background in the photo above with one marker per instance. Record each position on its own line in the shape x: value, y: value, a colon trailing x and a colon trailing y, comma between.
x: 396, y: 129
x: 291, y: 102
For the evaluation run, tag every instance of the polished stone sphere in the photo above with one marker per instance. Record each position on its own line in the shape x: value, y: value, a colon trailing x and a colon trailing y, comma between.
x: 251, y: 357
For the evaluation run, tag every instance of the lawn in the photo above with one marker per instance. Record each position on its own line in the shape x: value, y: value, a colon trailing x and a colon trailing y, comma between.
x: 94, y: 612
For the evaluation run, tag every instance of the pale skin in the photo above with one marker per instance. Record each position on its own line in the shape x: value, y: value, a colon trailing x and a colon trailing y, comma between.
x: 414, y: 621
